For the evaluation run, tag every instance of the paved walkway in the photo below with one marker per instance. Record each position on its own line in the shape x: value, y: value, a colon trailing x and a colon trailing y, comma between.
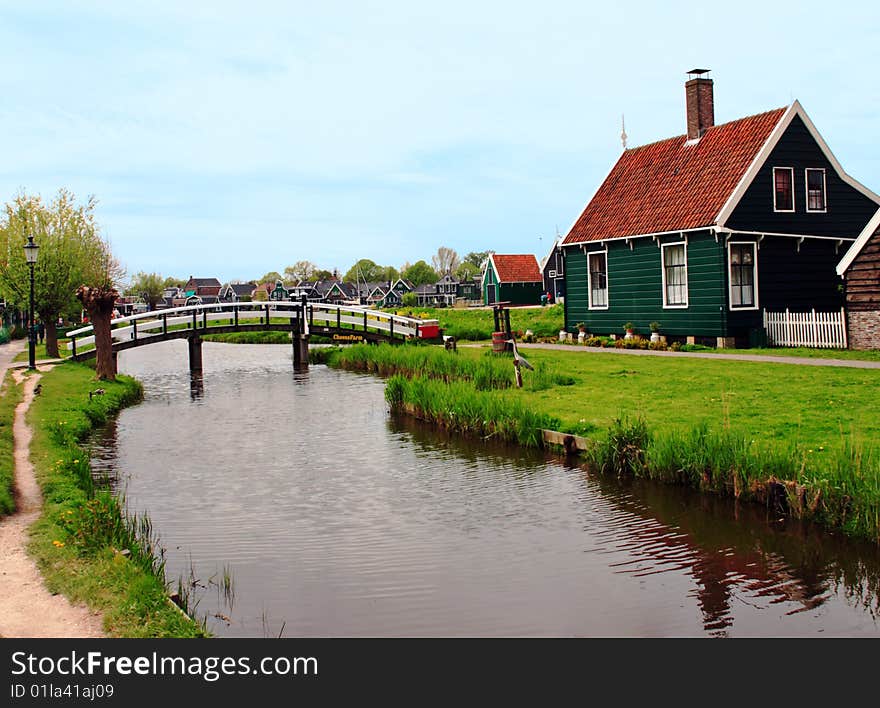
x: 8, y: 352
x: 761, y: 358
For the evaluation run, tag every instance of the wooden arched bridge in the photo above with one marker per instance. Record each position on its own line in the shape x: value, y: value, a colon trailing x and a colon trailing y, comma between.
x: 340, y: 323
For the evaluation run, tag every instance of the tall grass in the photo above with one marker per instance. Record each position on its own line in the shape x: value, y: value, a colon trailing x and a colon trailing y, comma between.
x: 459, y: 407
x: 487, y: 372
x: 838, y: 487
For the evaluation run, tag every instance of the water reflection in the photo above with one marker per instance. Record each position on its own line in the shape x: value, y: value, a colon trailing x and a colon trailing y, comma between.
x: 196, y: 386
x: 338, y: 521
x: 736, y: 552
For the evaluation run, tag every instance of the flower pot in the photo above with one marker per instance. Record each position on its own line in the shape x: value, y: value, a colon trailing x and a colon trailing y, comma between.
x: 655, y: 336
x: 629, y: 334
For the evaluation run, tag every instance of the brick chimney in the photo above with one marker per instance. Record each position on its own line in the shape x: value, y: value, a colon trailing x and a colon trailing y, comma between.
x: 700, y: 103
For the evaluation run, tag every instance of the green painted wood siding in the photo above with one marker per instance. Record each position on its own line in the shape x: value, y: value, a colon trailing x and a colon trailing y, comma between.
x: 489, y: 281
x: 521, y: 293
x: 635, y: 283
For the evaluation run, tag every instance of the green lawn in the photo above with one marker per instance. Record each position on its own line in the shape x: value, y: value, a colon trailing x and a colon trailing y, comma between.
x: 40, y: 351
x: 813, y: 407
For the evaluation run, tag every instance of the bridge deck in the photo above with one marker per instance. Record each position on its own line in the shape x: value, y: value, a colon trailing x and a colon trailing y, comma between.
x: 344, y: 321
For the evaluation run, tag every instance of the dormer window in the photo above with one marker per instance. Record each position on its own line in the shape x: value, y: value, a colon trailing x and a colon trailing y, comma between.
x: 815, y: 178
x: 783, y: 189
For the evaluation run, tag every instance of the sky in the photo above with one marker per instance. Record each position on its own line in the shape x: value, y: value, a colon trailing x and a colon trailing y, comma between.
x: 230, y: 139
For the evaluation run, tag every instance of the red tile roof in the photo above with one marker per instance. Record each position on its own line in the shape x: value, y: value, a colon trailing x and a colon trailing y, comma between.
x: 517, y: 268
x: 670, y: 185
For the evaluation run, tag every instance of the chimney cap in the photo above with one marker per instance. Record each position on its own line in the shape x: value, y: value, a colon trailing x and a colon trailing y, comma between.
x: 698, y: 73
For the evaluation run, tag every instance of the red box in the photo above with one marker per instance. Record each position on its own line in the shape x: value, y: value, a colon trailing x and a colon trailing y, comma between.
x: 429, y: 331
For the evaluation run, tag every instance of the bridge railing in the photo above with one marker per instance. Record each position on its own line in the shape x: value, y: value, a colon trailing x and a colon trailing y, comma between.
x: 157, y: 323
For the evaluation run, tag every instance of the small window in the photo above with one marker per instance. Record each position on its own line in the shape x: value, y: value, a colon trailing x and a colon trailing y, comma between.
x: 815, y: 189
x: 598, y: 276
x: 675, y: 289
x: 743, y: 276
x: 783, y: 189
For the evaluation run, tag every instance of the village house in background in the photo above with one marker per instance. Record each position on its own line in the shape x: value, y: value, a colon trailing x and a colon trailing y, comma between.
x: 237, y: 292
x: 513, y: 278
x: 860, y: 269
x: 553, y: 271
x: 712, y: 232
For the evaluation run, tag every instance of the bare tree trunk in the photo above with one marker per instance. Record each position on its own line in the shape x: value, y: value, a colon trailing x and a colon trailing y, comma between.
x: 99, y: 303
x: 49, y: 322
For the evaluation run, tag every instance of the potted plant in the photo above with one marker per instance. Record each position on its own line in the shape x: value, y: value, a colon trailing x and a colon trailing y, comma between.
x: 655, y: 331
x: 630, y: 330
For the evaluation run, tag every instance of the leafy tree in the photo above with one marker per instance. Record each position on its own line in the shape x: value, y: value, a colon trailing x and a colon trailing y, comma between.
x: 171, y: 282
x: 390, y: 273
x: 272, y: 276
x: 363, y: 270
x: 71, y: 252
x: 445, y: 261
x: 301, y: 270
x: 477, y: 258
x: 466, y: 270
x: 410, y: 299
x: 322, y: 275
x: 149, y: 286
x: 420, y: 273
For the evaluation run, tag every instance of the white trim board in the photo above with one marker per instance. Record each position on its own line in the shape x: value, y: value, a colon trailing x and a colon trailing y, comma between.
x: 795, y: 109
x: 754, y: 305
x: 666, y: 305
x: 870, y: 229
x: 590, y: 305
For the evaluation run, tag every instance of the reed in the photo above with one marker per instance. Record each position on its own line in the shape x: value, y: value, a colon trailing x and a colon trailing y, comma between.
x: 459, y: 407
x: 487, y: 371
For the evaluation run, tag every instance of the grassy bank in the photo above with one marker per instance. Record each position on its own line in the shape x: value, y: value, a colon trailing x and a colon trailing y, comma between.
x: 486, y: 371
x: 10, y: 396
x: 477, y: 324
x: 801, y: 439
x: 249, y: 338
x: 86, y: 546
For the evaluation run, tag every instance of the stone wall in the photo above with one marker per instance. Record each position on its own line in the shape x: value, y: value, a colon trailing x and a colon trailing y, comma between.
x: 864, y: 329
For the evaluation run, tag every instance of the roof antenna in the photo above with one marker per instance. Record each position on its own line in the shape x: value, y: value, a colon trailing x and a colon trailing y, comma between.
x: 623, y: 131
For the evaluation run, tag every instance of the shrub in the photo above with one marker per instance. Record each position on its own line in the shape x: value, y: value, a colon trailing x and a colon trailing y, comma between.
x: 4, y: 335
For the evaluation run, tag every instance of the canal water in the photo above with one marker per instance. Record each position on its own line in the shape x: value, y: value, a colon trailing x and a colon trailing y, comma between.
x: 335, y: 519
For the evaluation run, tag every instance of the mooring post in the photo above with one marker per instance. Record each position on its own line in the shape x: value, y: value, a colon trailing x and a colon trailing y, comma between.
x: 300, y: 349
x: 195, y: 355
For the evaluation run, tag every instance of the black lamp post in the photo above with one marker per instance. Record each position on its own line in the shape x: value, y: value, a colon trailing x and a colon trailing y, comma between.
x: 30, y: 254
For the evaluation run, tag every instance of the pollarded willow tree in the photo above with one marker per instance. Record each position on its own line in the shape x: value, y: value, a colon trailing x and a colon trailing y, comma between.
x: 71, y: 253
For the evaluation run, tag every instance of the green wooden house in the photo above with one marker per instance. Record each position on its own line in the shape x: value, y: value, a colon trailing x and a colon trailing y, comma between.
x: 513, y: 278
x: 705, y: 231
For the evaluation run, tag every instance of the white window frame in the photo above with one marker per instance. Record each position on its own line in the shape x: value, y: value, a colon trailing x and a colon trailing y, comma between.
x: 663, y: 247
x: 590, y: 305
x: 793, y: 199
x: 730, y: 305
x: 807, y: 171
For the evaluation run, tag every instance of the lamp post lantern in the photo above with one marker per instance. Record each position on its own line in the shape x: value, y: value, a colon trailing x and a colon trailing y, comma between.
x: 30, y: 254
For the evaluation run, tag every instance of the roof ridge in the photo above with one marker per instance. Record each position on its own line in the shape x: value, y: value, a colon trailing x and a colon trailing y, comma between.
x: 762, y: 114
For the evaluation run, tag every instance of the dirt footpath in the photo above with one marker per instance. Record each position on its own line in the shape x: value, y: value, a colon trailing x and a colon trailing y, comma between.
x: 27, y: 609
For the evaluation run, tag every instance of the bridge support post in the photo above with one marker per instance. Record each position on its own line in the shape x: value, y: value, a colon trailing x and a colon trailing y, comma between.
x: 195, y: 355
x: 300, y: 349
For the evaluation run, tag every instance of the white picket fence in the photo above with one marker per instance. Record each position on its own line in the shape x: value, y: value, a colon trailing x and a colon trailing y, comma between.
x: 806, y: 329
